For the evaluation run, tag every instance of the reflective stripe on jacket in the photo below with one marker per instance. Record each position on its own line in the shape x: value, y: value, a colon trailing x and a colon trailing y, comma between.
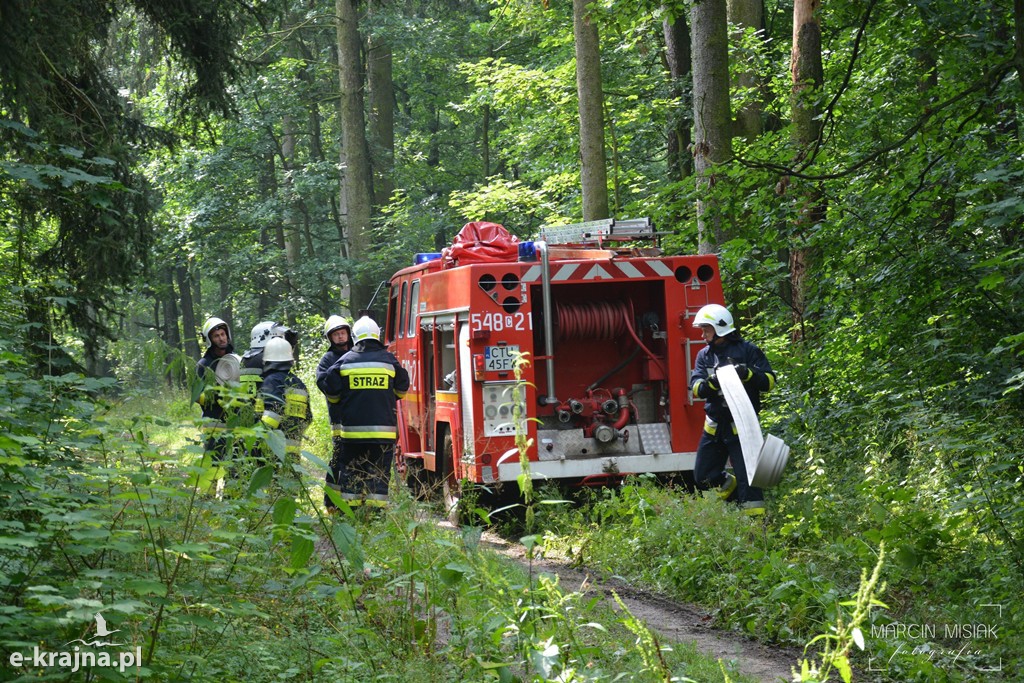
x: 732, y: 351
x: 286, y: 403
x: 208, y: 399
x: 365, y: 384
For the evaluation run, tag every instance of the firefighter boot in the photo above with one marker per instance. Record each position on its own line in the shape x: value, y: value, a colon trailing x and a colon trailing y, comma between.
x: 728, y: 486
x: 752, y: 508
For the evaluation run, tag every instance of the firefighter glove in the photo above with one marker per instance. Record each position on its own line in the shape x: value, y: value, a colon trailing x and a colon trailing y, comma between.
x: 713, y: 383
x: 745, y: 373
x: 705, y: 388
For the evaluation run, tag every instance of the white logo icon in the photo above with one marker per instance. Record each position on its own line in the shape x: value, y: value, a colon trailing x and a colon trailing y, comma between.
x: 101, y: 632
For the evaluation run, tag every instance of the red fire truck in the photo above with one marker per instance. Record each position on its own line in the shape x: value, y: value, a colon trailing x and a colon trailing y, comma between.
x: 606, y: 327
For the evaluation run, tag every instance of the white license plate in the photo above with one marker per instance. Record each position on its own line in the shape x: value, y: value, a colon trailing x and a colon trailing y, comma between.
x: 500, y: 358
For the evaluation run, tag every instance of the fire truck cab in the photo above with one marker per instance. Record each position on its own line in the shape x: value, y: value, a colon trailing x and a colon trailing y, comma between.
x: 606, y: 330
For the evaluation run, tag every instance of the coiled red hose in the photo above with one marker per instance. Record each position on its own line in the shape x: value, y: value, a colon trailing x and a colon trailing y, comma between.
x: 604, y: 320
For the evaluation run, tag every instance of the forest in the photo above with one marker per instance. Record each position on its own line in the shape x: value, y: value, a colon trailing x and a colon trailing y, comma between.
x: 856, y: 166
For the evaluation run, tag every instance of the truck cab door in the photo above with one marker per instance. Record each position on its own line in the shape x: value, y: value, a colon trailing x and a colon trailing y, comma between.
x: 428, y: 345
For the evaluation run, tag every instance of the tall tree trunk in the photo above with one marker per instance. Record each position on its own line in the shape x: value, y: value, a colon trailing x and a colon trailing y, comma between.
x: 317, y: 147
x: 1018, y: 44
x: 263, y: 301
x: 264, y: 281
x: 171, y: 335
x: 288, y: 196
x: 808, y: 77
x: 380, y: 78
x: 158, y: 303
x: 677, y: 58
x: 95, y: 364
x: 290, y: 219
x: 711, y: 113
x: 196, y: 281
x: 188, y: 316
x: 278, y: 221
x: 227, y: 310
x: 358, y: 189
x: 593, y: 173
x: 165, y: 301
x: 748, y: 14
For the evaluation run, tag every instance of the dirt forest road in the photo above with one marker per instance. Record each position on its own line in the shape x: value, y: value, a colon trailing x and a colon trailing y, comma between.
x: 672, y: 621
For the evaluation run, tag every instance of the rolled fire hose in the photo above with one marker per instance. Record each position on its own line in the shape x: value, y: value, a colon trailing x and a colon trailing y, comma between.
x: 765, y: 458
x: 228, y: 369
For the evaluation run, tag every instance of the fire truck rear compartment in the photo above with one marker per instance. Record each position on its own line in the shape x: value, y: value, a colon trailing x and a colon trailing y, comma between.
x: 608, y: 343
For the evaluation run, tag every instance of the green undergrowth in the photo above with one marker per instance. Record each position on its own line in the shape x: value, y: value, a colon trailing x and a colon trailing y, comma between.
x: 108, y: 507
x: 948, y: 595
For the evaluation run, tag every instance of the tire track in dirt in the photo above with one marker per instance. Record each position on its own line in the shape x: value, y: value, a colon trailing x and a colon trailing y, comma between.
x: 672, y: 621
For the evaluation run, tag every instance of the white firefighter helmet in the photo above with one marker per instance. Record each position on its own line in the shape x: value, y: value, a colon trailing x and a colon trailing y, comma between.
x: 717, y: 316
x: 285, y: 332
x: 365, y: 328
x: 333, y: 323
x: 260, y: 334
x: 210, y: 325
x: 277, y: 350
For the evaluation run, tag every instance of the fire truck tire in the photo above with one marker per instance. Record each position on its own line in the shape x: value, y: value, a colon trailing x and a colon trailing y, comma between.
x: 452, y: 485
x: 417, y: 479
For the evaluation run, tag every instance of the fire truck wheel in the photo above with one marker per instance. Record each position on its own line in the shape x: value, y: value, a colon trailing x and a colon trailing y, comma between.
x: 416, y: 478
x: 452, y: 486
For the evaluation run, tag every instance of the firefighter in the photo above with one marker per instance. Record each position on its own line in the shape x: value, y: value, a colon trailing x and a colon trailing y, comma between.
x: 218, y: 366
x: 366, y: 383
x: 720, y: 441
x: 285, y: 399
x: 251, y: 376
x: 261, y: 333
x: 292, y: 336
x: 338, y: 333
x: 251, y: 380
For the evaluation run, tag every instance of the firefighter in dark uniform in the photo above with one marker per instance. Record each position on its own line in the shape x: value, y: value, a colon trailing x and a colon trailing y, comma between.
x: 218, y: 367
x: 251, y: 380
x: 251, y: 376
x: 720, y: 441
x: 285, y: 399
x: 338, y: 333
x: 366, y: 383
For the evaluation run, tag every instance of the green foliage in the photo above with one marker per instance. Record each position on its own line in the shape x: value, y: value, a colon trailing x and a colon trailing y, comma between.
x: 70, y: 177
x: 104, y: 509
x: 513, y: 203
x: 785, y: 580
x: 902, y: 400
x: 846, y: 632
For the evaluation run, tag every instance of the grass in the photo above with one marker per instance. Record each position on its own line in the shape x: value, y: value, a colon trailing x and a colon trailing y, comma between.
x: 110, y: 511
x: 259, y: 585
x: 781, y: 579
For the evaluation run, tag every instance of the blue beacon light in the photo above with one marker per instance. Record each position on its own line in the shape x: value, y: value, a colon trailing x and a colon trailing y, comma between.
x: 527, y: 251
x: 425, y: 256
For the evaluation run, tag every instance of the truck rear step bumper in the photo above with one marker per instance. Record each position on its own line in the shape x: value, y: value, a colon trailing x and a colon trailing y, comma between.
x: 617, y: 464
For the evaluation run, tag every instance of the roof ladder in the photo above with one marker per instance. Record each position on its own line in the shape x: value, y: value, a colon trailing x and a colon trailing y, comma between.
x: 607, y: 230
